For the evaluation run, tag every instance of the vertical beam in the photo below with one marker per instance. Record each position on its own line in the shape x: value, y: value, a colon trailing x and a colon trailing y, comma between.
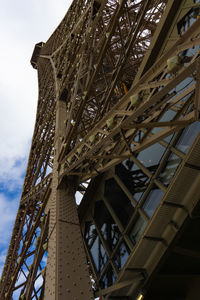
x: 67, y: 275
x: 50, y: 282
x: 72, y: 276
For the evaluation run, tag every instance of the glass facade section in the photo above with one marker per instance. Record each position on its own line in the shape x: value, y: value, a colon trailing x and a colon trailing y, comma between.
x: 118, y: 200
x: 137, y: 229
x: 95, y: 246
x: 168, y: 116
x: 169, y: 138
x: 121, y: 255
x: 151, y: 157
x: 153, y: 201
x: 169, y: 169
x: 188, y: 136
x: 182, y: 86
x: 106, y: 225
x: 90, y: 233
x: 135, y: 180
x: 108, y: 279
x: 180, y: 103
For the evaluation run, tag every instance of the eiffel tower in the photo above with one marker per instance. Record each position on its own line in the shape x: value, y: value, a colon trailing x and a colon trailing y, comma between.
x: 110, y: 201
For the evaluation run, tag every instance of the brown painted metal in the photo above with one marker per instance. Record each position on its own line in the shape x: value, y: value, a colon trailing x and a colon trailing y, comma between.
x: 67, y: 273
x: 86, y: 121
x: 104, y: 136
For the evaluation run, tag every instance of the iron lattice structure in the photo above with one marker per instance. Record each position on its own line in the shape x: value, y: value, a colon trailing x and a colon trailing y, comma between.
x: 95, y: 109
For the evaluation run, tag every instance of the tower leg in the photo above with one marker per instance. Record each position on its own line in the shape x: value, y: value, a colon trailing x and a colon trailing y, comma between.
x: 67, y: 274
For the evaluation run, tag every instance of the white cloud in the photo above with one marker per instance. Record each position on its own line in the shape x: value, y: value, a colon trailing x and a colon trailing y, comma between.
x: 12, y: 173
x: 22, y: 24
x: 8, y: 209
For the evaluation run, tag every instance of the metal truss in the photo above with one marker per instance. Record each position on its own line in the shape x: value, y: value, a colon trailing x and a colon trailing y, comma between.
x: 140, y: 110
x: 89, y: 64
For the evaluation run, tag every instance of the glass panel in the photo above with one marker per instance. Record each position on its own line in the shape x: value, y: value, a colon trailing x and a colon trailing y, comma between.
x: 106, y: 225
x: 122, y: 255
x: 188, y: 136
x: 120, y: 203
x: 108, y: 279
x: 168, y: 116
x: 135, y: 180
x: 182, y: 86
x: 170, y: 168
x: 151, y: 157
x: 183, y: 100
x: 169, y: 138
x: 90, y: 232
x: 137, y: 229
x: 95, y: 246
x: 152, y: 201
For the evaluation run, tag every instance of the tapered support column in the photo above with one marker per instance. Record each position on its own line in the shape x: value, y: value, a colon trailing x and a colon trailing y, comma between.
x: 73, y: 280
x: 67, y: 275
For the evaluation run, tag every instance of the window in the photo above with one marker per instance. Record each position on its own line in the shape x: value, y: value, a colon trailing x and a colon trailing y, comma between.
x: 151, y: 157
x: 152, y: 201
x: 108, y: 279
x: 169, y: 138
x: 169, y: 169
x: 121, y: 256
x: 182, y: 102
x: 182, y: 86
x: 168, y: 116
x: 118, y: 200
x: 137, y: 229
x: 90, y: 233
x: 95, y: 246
x: 188, y: 136
x: 106, y: 225
x: 135, y: 180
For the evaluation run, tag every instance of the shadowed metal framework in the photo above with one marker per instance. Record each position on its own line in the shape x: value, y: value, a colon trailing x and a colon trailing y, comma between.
x: 117, y: 124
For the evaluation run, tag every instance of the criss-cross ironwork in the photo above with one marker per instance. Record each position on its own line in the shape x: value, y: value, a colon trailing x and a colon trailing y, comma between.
x: 108, y: 89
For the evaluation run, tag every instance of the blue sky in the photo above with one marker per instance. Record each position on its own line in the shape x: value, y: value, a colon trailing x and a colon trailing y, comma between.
x: 22, y: 24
